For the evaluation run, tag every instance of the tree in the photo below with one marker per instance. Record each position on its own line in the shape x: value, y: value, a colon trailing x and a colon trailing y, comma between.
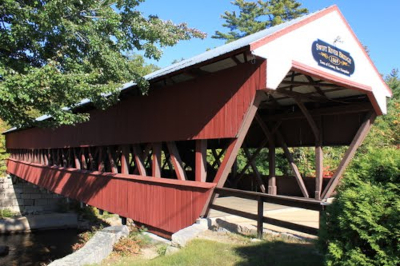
x: 55, y: 53
x: 255, y: 16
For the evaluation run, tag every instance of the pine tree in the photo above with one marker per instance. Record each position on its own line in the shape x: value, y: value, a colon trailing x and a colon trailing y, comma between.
x: 255, y: 16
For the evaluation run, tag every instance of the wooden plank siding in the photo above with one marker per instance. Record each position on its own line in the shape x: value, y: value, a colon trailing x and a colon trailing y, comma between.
x: 209, y: 107
x: 164, y: 205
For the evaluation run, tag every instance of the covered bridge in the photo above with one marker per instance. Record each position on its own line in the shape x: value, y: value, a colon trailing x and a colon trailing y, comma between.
x: 158, y: 158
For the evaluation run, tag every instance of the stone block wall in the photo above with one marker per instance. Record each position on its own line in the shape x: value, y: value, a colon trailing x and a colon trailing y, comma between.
x: 22, y: 197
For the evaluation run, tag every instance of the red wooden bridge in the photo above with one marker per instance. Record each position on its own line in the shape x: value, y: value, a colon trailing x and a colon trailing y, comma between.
x: 156, y: 159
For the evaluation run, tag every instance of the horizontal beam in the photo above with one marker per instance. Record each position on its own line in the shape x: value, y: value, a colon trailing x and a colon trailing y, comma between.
x: 313, y: 84
x: 298, y: 202
x: 337, y: 110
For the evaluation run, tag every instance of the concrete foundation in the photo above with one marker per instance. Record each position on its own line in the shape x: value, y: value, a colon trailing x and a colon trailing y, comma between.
x: 25, y: 198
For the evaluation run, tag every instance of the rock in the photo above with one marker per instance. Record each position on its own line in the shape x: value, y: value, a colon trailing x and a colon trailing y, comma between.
x: 4, y: 250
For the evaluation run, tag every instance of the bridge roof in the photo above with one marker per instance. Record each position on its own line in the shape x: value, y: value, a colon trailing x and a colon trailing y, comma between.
x: 261, y: 45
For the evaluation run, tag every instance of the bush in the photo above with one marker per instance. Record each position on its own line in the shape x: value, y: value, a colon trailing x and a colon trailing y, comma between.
x: 362, y: 226
x: 6, y: 213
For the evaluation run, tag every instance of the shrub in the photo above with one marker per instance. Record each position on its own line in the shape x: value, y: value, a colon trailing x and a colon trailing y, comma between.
x: 362, y: 226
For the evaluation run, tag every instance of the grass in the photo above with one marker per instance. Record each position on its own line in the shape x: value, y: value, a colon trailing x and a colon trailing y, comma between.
x: 207, y: 252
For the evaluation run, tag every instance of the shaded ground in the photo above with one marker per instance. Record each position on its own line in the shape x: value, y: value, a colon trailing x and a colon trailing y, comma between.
x: 224, y: 248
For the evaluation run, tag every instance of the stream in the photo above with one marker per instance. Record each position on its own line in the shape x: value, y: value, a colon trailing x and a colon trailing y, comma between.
x: 39, y: 247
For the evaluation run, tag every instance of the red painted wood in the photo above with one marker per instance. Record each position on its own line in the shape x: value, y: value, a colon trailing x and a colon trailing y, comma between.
x: 209, y: 107
x: 201, y: 161
x: 164, y: 205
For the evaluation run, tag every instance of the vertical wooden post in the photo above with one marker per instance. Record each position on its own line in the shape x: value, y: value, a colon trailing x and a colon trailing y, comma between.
x: 201, y: 160
x: 260, y: 216
x: 156, y: 160
x: 319, y: 157
x: 272, y: 189
x: 356, y: 142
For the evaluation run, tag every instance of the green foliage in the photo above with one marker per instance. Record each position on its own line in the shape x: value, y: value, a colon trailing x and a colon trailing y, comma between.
x: 6, y: 213
x: 55, y: 53
x: 362, y: 227
x: 3, y: 153
x: 255, y: 16
x: 386, y: 129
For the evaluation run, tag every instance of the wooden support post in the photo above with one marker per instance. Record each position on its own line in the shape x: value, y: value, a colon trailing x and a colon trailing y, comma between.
x: 76, y: 159
x: 356, y: 142
x: 201, y: 160
x: 260, y: 217
x: 319, y: 157
x: 217, y: 157
x: 83, y: 158
x: 64, y: 159
x: 295, y: 170
x: 319, y: 165
x: 125, y: 160
x: 113, y: 165
x: 252, y: 158
x: 176, y: 161
x: 255, y: 170
x: 156, y: 160
x: 137, y: 154
x: 100, y: 161
x: 272, y: 189
x: 288, y: 155
x: 91, y: 160
x: 232, y: 151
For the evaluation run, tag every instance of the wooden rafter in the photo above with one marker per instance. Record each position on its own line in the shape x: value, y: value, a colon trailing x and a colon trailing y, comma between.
x: 301, y: 83
x: 336, y: 110
x: 316, y: 86
x: 309, y: 118
x: 176, y: 161
x: 308, y: 97
x: 356, y: 142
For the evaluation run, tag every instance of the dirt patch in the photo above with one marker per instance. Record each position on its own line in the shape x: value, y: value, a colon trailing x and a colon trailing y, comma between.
x: 224, y: 236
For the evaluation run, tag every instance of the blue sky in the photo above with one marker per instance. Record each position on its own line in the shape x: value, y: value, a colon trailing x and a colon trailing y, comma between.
x: 376, y: 24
